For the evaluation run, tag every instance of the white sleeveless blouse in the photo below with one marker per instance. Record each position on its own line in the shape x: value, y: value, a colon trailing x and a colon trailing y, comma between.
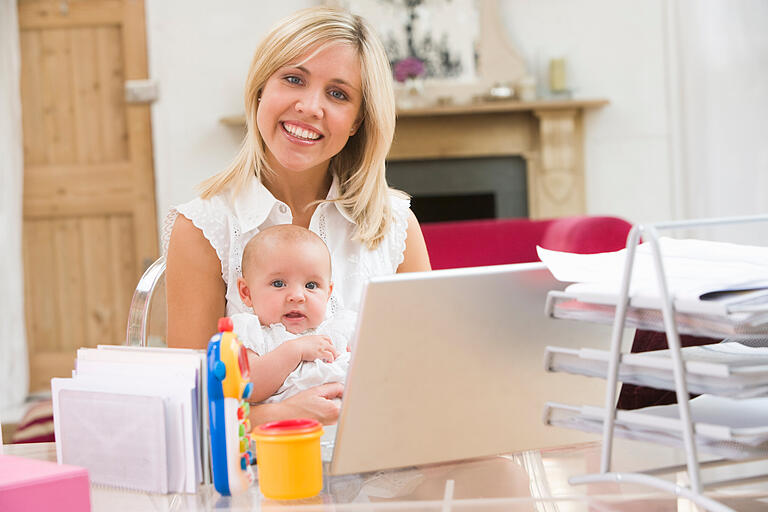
x: 228, y: 223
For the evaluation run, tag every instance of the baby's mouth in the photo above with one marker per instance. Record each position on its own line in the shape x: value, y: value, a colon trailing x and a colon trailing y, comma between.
x: 294, y: 315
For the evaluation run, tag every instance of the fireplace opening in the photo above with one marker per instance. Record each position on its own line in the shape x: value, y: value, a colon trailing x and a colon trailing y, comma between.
x: 462, y: 188
x: 454, y: 207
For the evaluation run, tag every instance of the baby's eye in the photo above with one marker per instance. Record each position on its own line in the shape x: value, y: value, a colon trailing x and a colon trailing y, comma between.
x: 311, y: 285
x: 339, y: 95
x: 278, y: 283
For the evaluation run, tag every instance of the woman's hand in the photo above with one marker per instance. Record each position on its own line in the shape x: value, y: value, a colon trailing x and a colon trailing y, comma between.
x: 315, y: 346
x: 320, y: 403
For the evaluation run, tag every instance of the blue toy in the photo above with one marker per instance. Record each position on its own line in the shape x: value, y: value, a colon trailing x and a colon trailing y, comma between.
x: 228, y: 388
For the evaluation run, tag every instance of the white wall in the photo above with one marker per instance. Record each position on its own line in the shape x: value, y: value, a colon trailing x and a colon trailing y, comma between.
x: 615, y: 49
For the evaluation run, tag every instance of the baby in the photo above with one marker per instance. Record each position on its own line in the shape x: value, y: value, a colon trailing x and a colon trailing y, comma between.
x: 287, y: 282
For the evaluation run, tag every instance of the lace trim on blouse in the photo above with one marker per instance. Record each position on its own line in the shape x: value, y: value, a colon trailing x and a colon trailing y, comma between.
x: 214, y: 228
x: 400, y: 209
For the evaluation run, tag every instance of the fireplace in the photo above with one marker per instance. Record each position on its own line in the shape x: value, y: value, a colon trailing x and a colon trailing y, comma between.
x: 531, y: 151
x: 462, y: 188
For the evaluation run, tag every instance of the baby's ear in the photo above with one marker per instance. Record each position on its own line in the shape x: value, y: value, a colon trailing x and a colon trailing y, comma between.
x: 244, y: 291
x: 330, y: 288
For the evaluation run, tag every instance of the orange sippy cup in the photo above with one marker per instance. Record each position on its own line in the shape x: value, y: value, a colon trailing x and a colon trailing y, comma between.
x: 288, y: 458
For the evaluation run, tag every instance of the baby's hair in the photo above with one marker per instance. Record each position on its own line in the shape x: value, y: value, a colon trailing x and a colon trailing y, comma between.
x: 281, y: 233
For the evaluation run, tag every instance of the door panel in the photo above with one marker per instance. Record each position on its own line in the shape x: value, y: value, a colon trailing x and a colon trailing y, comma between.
x: 89, y: 206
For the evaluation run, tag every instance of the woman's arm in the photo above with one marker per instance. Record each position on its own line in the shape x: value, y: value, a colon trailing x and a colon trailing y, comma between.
x: 415, y: 256
x: 195, y: 291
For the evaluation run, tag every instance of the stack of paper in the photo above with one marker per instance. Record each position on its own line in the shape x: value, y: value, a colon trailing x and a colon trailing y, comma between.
x: 135, y: 417
x: 735, y: 429
x: 576, y: 306
x: 726, y: 369
x: 715, y: 287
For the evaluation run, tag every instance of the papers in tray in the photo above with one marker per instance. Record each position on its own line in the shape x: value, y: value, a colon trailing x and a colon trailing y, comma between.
x: 135, y: 417
x: 735, y: 429
x: 689, y: 318
x: 705, y: 278
x: 725, y: 369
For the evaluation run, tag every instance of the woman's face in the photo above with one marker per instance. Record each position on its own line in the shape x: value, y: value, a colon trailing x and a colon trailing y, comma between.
x: 309, y: 108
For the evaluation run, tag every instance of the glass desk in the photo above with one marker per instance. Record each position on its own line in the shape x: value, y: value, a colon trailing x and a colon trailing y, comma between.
x: 528, y: 481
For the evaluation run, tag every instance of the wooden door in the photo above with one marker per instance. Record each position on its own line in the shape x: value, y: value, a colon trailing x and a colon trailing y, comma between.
x: 89, y: 207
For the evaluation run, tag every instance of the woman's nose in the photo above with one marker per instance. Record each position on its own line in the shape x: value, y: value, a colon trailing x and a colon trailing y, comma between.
x: 310, y: 103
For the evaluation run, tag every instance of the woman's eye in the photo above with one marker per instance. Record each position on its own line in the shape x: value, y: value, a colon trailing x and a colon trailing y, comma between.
x: 293, y: 80
x: 278, y: 283
x: 338, y: 95
x: 311, y: 285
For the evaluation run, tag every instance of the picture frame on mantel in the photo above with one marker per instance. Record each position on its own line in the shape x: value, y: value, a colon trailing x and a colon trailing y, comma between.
x: 466, y: 35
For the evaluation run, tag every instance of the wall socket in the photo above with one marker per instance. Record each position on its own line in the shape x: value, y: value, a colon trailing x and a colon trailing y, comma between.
x: 140, y: 91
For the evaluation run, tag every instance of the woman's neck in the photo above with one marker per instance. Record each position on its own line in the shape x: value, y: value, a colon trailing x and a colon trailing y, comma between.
x: 298, y: 191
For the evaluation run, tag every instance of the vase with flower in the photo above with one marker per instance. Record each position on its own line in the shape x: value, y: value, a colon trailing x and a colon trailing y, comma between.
x: 409, y: 72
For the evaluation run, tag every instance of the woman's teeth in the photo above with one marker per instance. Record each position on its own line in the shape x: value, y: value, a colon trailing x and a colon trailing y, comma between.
x: 301, y: 133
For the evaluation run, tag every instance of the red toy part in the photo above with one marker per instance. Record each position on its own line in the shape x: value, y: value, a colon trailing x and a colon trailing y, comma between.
x: 225, y: 324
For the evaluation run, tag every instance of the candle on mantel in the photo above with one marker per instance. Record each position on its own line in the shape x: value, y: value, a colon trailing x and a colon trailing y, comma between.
x: 557, y: 75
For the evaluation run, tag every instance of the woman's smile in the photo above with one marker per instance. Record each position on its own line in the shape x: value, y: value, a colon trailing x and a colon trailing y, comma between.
x: 301, y: 132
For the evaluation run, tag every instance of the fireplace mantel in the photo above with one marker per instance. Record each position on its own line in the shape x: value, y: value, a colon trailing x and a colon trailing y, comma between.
x: 548, y: 134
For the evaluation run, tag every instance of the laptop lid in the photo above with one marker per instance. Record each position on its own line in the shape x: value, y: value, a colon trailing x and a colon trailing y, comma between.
x: 448, y: 365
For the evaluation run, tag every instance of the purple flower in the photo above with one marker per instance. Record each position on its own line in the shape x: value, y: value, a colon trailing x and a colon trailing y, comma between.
x: 409, y: 67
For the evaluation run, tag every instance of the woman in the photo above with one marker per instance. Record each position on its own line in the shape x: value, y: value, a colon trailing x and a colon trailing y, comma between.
x: 320, y: 116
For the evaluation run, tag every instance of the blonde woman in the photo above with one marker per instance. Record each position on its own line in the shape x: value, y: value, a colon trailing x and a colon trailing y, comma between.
x: 320, y: 115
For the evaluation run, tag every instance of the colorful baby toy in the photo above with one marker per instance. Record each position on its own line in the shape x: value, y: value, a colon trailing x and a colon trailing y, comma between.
x: 229, y: 387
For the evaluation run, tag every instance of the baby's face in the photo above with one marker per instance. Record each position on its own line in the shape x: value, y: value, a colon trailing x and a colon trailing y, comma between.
x: 291, y: 286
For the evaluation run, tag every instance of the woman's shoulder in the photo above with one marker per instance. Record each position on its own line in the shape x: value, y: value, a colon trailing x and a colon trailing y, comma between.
x: 209, y: 215
x: 400, y: 202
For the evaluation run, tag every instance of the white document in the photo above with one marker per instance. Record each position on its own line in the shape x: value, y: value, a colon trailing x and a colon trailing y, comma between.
x: 694, y: 269
x: 177, y: 417
x: 164, y: 362
x: 120, y: 438
x: 176, y: 383
x: 188, y: 357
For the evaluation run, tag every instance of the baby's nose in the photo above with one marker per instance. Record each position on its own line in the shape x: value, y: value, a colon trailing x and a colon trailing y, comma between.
x: 296, y: 295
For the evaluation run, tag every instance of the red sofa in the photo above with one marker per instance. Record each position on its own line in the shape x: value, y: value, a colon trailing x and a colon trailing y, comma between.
x: 498, y: 241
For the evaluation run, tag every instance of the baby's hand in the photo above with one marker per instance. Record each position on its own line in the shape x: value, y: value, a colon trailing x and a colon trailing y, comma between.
x: 315, y: 347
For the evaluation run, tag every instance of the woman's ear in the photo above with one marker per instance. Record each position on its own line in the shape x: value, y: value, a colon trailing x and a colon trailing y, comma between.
x: 244, y: 291
x: 356, y: 125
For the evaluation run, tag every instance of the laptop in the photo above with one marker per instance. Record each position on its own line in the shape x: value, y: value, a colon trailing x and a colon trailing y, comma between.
x: 449, y: 365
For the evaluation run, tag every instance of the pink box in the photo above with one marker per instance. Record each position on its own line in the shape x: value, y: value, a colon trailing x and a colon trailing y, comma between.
x: 29, y: 484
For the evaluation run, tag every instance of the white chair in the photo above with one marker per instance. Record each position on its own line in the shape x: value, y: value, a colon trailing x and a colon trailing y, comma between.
x: 140, y: 312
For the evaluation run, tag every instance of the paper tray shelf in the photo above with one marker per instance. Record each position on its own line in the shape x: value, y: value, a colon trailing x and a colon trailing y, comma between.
x: 724, y: 369
x: 602, y: 310
x: 661, y: 424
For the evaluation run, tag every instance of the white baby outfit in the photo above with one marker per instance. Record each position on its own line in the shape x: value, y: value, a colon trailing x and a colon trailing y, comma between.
x: 228, y: 223
x: 262, y: 339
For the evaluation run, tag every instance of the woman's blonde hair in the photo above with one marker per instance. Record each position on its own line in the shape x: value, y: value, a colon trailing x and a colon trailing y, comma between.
x: 360, y: 165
